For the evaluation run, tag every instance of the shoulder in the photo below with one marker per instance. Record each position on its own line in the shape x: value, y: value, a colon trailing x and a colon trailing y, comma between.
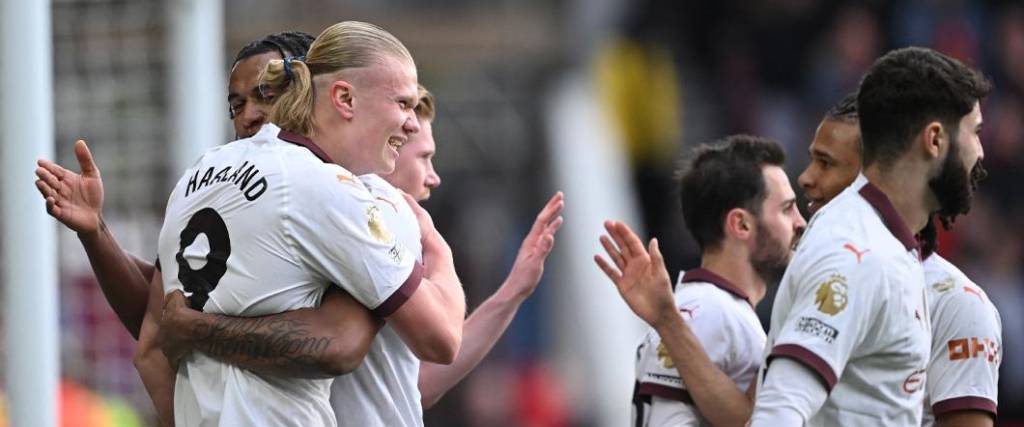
x: 850, y: 240
x: 954, y: 299
x: 706, y: 303
x: 320, y: 182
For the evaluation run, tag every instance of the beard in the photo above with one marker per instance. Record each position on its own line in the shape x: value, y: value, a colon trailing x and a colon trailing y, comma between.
x: 954, y: 186
x: 771, y: 255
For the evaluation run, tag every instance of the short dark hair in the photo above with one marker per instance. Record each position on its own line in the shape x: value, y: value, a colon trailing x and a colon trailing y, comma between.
x: 906, y: 89
x: 288, y: 43
x: 722, y: 176
x: 845, y: 110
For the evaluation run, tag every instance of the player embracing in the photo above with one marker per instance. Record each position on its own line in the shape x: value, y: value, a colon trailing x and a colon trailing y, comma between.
x: 266, y: 224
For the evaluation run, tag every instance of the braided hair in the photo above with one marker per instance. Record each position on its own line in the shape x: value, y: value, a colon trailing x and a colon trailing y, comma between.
x: 288, y: 43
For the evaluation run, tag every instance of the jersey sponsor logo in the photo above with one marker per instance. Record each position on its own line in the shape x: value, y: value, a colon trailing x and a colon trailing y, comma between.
x: 914, y: 382
x: 831, y: 295
x: 671, y: 379
x: 815, y: 327
x: 664, y: 357
x: 376, y: 224
x: 944, y: 285
x: 858, y: 253
x: 973, y: 348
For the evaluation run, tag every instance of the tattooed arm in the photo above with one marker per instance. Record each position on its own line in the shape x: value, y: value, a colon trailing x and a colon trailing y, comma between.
x: 321, y: 342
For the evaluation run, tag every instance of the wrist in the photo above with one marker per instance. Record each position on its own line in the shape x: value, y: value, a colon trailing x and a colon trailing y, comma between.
x: 667, y: 319
x: 91, y: 234
x: 508, y: 294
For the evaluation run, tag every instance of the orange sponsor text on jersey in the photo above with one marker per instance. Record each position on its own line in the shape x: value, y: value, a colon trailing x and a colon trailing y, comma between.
x: 974, y: 347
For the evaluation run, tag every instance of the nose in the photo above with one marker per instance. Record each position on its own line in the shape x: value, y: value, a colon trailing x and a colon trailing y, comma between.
x: 433, y: 179
x: 412, y: 123
x: 253, y: 116
x: 799, y: 224
x: 804, y: 180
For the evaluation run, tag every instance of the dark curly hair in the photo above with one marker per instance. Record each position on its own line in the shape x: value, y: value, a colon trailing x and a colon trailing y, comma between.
x: 904, y: 91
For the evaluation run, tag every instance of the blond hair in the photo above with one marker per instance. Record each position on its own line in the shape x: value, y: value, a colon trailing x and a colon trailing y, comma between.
x: 425, y: 108
x: 345, y: 45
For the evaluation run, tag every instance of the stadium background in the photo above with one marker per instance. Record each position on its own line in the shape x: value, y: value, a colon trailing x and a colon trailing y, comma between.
x: 594, y: 97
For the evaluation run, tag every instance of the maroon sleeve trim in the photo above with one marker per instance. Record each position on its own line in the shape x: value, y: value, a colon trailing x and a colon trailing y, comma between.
x: 965, y: 403
x: 665, y: 392
x: 811, y: 360
x: 402, y: 294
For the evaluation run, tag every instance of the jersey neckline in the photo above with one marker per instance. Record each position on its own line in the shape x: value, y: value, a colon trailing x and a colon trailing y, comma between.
x: 303, y: 141
x: 878, y: 200
x: 702, y: 274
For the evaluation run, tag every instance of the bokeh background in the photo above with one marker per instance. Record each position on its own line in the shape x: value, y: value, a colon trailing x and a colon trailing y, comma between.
x: 594, y: 97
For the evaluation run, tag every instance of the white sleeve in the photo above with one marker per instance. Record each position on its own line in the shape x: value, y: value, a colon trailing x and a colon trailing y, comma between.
x: 670, y: 402
x: 706, y: 319
x: 790, y: 395
x: 670, y: 413
x: 966, y: 353
x: 836, y: 300
x: 340, y: 233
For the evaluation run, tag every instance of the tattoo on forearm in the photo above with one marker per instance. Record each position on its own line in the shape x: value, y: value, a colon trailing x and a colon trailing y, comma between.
x: 275, y: 342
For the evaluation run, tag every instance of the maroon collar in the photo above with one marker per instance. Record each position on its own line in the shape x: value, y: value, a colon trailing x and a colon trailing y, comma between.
x: 878, y: 200
x: 707, y: 276
x: 302, y: 141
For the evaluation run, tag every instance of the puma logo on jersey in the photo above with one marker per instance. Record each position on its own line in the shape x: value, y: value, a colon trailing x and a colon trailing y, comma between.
x: 976, y: 293
x: 688, y: 311
x: 389, y: 202
x: 859, y: 254
x: 346, y: 178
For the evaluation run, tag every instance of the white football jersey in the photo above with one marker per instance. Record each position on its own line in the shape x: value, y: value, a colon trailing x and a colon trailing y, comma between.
x: 721, y: 317
x: 851, y: 307
x: 261, y: 226
x: 383, y: 390
x: 966, y: 343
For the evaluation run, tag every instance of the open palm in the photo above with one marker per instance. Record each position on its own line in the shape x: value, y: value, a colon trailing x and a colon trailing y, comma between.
x: 640, y: 276
x: 76, y: 200
x: 529, y: 265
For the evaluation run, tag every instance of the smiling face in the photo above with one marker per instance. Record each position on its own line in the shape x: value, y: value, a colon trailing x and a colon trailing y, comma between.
x: 414, y: 172
x: 383, y: 115
x: 249, y: 106
x: 835, y: 162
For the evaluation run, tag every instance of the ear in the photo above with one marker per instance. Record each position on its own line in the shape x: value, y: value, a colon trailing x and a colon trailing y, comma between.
x: 738, y: 224
x: 343, y: 98
x: 931, y: 139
